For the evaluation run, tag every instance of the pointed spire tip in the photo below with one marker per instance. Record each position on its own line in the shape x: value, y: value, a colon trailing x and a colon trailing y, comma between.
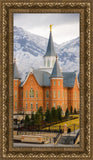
x: 51, y: 27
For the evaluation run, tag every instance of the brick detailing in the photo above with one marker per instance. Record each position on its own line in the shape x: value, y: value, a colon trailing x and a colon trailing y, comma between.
x: 31, y: 95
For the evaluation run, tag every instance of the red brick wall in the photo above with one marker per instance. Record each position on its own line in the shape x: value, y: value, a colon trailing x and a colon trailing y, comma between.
x: 68, y: 96
x: 32, y: 83
x: 54, y: 89
x: 74, y: 96
x: 45, y: 98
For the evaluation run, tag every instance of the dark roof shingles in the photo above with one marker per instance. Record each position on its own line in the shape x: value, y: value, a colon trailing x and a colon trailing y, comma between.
x: 50, y: 48
x: 68, y: 79
x: 43, y: 78
x: 56, y: 71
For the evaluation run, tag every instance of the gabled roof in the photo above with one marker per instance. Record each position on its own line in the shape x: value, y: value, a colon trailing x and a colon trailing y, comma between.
x: 16, y: 73
x: 56, y: 71
x: 50, y: 48
x: 43, y: 78
x: 69, y: 79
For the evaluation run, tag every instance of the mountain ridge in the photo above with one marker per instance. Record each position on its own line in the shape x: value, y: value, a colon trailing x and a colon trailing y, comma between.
x: 30, y: 48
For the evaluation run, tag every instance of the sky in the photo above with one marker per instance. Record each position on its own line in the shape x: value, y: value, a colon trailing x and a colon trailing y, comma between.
x: 65, y: 26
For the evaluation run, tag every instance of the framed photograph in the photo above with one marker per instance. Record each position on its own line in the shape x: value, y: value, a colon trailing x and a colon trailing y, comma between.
x: 46, y: 98
x: 46, y: 79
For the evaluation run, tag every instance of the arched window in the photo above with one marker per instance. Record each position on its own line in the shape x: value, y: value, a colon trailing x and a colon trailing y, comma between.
x: 63, y: 94
x: 54, y: 83
x: 36, y: 94
x: 26, y: 105
x: 58, y: 94
x: 54, y: 94
x: 15, y: 84
x: 48, y: 63
x: 15, y: 94
x: 59, y: 83
x: 31, y: 106
x: 26, y: 94
x: 31, y: 94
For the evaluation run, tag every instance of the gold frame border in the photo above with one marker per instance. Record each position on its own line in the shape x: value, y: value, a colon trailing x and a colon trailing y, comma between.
x: 7, y: 8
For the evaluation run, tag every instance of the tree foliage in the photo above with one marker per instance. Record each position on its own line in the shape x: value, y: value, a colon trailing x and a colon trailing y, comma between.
x: 40, y: 110
x: 32, y: 121
x: 38, y: 119
x: 48, y: 116
x: 71, y: 110
x: 27, y: 121
x: 67, y: 113
x: 75, y: 111
x: 59, y: 113
x: 53, y: 114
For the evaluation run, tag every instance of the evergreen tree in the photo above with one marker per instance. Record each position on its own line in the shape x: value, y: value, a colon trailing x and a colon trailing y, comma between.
x: 53, y: 114
x: 40, y: 110
x: 71, y: 110
x: 38, y: 119
x: 75, y: 111
x: 27, y: 121
x: 67, y: 113
x: 32, y: 119
x: 59, y: 113
x: 48, y: 116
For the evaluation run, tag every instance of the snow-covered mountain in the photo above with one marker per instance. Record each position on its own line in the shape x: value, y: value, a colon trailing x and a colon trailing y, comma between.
x: 29, y: 50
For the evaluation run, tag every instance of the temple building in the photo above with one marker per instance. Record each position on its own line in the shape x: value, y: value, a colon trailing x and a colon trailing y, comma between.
x: 46, y: 87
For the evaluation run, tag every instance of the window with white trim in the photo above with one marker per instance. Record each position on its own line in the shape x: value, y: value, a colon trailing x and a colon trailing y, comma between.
x: 48, y: 63
x: 31, y: 106
x: 15, y: 105
x: 59, y: 83
x: 36, y: 94
x: 54, y: 94
x: 36, y: 106
x: 58, y: 94
x: 47, y: 94
x: 26, y: 105
x: 31, y: 93
x: 15, y: 84
x: 15, y: 94
x: 54, y: 83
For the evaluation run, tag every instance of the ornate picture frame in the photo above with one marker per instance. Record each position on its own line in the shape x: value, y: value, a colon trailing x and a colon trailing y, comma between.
x: 85, y: 9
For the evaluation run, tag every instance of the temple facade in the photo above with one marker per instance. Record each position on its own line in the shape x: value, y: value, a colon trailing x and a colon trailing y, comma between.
x: 46, y: 87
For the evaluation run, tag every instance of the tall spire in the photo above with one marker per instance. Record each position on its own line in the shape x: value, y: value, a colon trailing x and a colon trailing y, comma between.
x: 50, y: 48
x: 16, y: 73
x: 56, y: 70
